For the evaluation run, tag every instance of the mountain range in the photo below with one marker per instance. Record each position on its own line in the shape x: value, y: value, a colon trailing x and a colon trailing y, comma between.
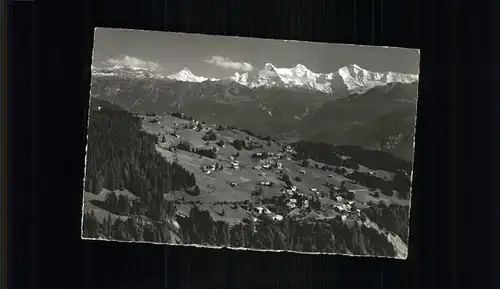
x: 351, y: 106
x: 352, y: 77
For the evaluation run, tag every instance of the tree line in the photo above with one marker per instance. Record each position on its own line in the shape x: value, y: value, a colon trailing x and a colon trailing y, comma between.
x: 121, y: 155
x: 329, y: 236
x: 205, y: 152
x: 331, y: 155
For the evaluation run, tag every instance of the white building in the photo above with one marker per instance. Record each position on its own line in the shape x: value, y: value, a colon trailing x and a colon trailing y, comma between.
x: 278, y: 217
x: 259, y: 210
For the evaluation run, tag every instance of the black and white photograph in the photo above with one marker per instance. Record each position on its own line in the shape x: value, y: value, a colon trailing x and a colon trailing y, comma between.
x: 250, y: 144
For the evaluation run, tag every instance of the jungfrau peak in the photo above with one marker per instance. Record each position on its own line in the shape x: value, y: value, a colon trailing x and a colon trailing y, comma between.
x: 358, y: 79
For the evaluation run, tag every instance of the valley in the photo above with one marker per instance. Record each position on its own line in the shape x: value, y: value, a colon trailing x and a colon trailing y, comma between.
x: 242, y: 178
x: 341, y: 116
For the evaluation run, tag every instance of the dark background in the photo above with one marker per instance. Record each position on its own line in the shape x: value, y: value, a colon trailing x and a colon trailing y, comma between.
x: 450, y: 236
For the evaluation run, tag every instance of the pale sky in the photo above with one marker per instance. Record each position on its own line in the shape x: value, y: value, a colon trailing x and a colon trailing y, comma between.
x: 222, y: 56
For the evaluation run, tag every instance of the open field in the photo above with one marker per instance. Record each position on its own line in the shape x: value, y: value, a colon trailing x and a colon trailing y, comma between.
x: 227, y: 189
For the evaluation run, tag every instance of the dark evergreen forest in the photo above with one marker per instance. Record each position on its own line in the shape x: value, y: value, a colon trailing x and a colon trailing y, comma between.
x: 121, y: 155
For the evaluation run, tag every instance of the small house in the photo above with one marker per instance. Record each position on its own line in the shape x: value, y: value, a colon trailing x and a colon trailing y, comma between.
x: 303, y: 172
x: 233, y: 184
x: 339, y: 208
x: 265, y: 183
x: 259, y: 210
x: 343, y: 217
x: 278, y: 217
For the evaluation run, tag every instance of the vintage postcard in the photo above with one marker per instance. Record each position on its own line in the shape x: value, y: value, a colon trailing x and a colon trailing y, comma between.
x: 250, y: 143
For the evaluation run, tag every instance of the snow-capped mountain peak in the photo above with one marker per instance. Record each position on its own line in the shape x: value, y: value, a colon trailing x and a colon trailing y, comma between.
x: 359, y: 80
x: 300, y: 70
x: 269, y: 66
x: 185, y: 75
x: 240, y: 78
x: 297, y: 76
x: 126, y: 71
